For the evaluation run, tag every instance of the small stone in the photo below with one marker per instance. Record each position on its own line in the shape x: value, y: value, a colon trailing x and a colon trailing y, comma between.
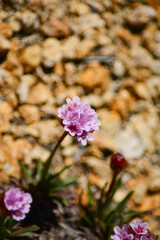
x: 5, y: 45
x: 45, y: 130
x: 70, y: 151
x: 14, y: 23
x: 77, y: 7
x: 93, y: 76
x: 104, y: 141
x: 24, y: 148
x: 5, y: 30
x: 7, y: 80
x: 84, y: 48
x: 154, y: 185
x: 94, y: 100
x: 142, y: 90
x: 39, y: 94
x: 155, y: 67
x: 8, y: 158
x: 39, y: 152
x: 29, y: 20
x: 29, y: 113
x: 30, y: 57
x: 5, y: 116
x: 122, y: 102
x: 118, y: 69
x: 110, y: 121
x: 147, y: 125
x: 70, y: 47
x: 131, y: 144
x: 24, y: 86
x: 51, y: 52
x: 82, y: 23
x: 56, y: 27
x: 13, y: 65
x: 141, y: 56
x: 137, y: 18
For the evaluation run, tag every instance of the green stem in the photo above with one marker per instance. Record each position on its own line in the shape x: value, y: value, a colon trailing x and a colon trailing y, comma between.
x: 49, y: 160
x: 109, y: 190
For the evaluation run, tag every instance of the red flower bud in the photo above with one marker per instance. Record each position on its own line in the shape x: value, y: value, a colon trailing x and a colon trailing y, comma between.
x: 118, y: 163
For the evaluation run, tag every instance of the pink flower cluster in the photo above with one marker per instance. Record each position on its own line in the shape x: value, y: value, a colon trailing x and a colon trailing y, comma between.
x: 17, y: 202
x: 136, y: 231
x: 79, y: 119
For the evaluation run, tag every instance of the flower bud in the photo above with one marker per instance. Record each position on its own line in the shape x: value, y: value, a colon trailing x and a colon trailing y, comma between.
x: 118, y: 163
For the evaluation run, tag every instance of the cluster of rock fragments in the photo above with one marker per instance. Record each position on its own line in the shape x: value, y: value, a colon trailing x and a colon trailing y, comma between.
x: 44, y: 50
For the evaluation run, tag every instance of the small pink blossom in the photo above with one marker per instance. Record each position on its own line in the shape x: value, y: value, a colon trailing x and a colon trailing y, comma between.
x: 79, y: 119
x: 139, y: 227
x: 17, y: 202
x: 136, y: 231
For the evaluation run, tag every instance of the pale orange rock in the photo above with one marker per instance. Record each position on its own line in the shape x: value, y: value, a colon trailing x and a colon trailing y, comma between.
x: 93, y: 76
x: 104, y: 141
x: 5, y: 29
x: 94, y: 179
x: 13, y: 65
x: 8, y: 158
x: 30, y: 113
x: 39, y: 94
x: 56, y: 27
x: 46, y: 131
x: 30, y: 57
x: 123, y: 102
x: 51, y: 52
x: 5, y: 116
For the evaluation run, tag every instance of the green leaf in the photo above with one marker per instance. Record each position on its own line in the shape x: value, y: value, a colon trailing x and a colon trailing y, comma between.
x: 100, y: 203
x: 54, y: 177
x: 90, y: 194
x: 24, y: 231
x: 39, y: 170
x: 26, y: 172
x: 61, y: 183
x: 110, y: 198
x: 118, y: 209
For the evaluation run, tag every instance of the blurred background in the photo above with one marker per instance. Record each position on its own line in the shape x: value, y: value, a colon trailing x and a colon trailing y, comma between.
x: 104, y: 51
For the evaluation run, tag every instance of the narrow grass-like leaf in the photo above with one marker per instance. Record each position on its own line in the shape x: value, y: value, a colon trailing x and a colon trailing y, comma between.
x: 90, y: 194
x: 26, y: 172
x: 24, y: 231
x: 55, y: 176
x: 118, y: 209
x: 110, y: 198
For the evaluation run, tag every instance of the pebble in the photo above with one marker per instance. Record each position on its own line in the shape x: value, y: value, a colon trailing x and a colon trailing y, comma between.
x: 30, y: 57
x: 56, y: 27
x: 29, y: 113
x: 39, y: 94
x: 118, y: 69
x: 51, y: 52
x: 139, y: 17
x: 5, y: 116
x: 93, y: 76
x: 130, y: 143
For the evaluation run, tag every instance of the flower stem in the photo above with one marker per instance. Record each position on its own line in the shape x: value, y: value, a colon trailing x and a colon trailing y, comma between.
x: 49, y: 160
x: 107, y: 195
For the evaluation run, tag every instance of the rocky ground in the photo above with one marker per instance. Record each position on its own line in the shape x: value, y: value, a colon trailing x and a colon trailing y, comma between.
x: 106, y: 51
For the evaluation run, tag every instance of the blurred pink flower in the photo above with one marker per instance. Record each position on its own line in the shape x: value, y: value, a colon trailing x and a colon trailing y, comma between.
x: 17, y: 202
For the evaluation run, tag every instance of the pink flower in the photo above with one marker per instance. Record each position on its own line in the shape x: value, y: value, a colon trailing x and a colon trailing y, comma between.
x: 139, y: 227
x: 122, y: 234
x: 136, y: 231
x: 79, y: 119
x: 17, y: 202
